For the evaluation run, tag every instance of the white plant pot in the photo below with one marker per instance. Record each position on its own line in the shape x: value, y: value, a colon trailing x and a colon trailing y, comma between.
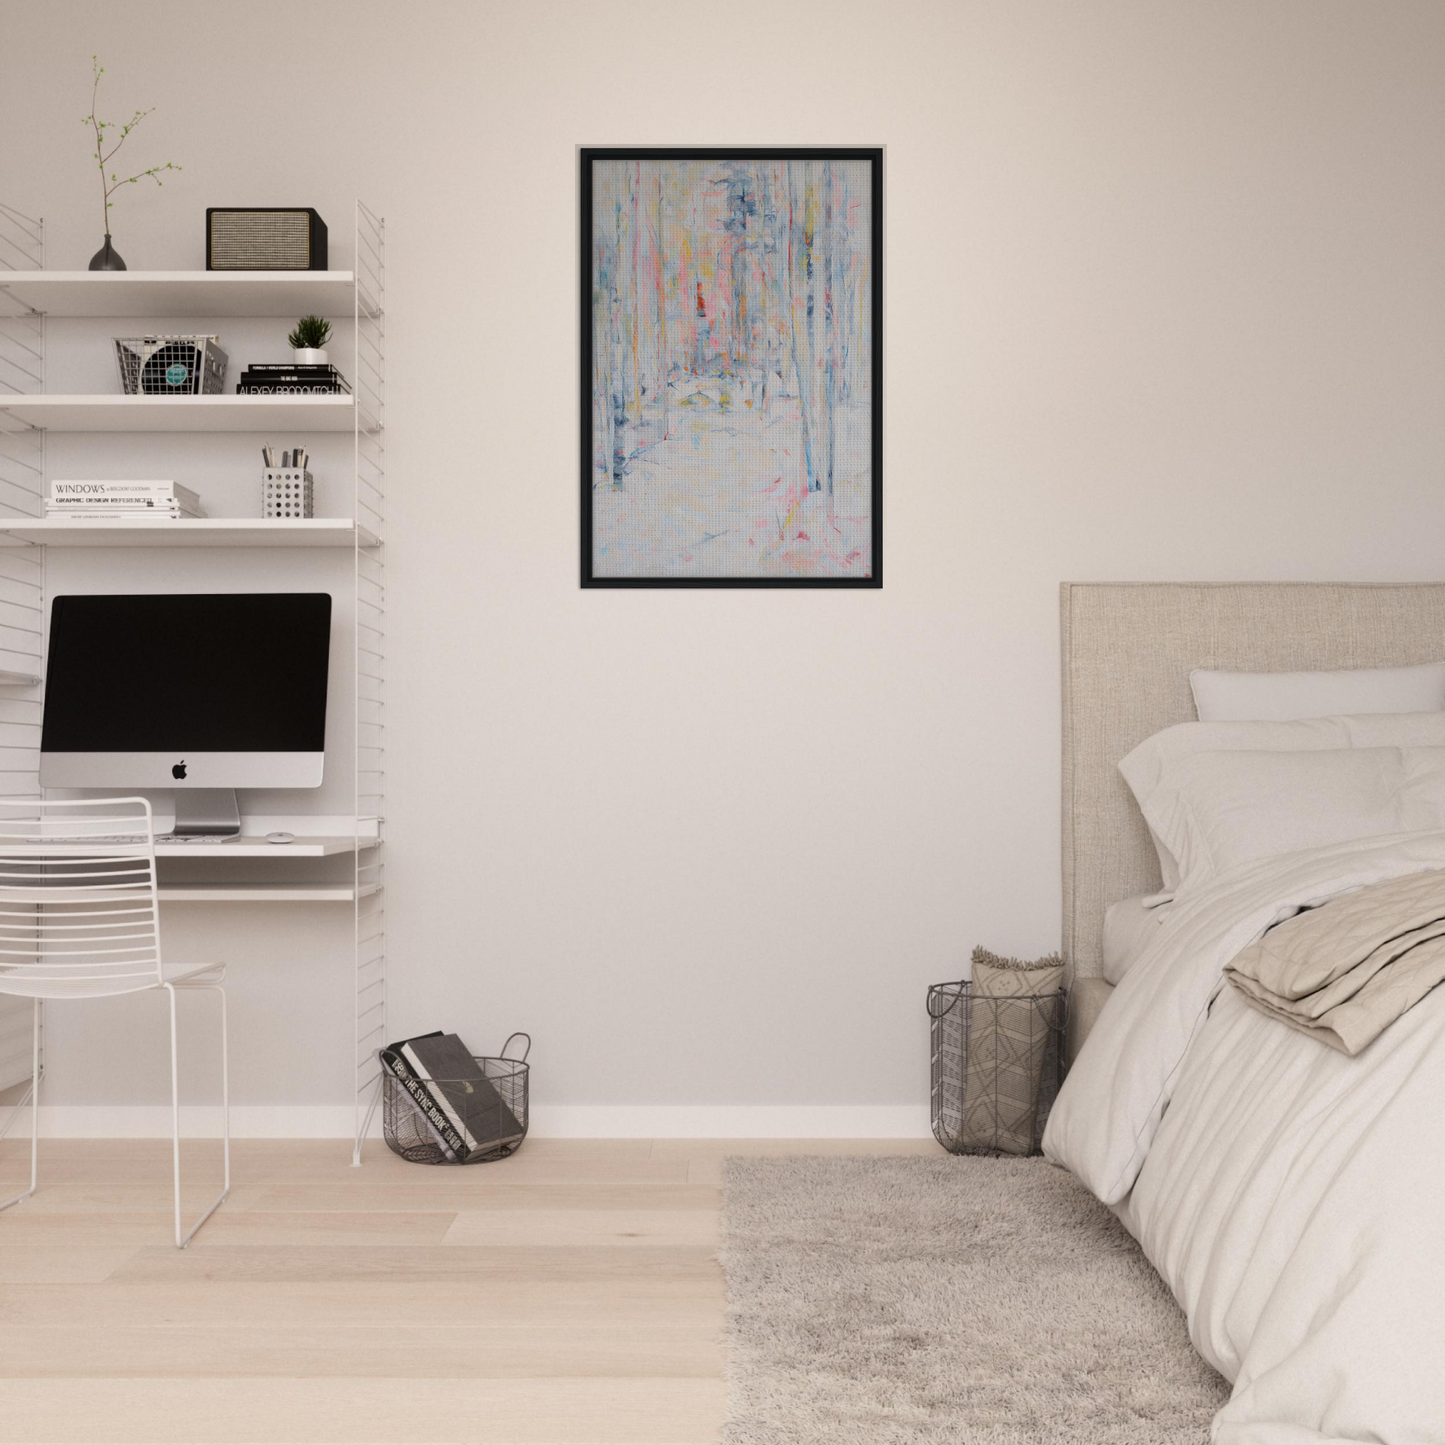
x: 309, y: 356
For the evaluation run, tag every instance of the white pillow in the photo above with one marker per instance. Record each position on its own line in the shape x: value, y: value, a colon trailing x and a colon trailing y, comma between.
x: 1145, y: 768
x: 1283, y: 696
x: 1217, y: 811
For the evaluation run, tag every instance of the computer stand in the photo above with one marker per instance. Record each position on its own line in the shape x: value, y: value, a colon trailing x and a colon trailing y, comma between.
x: 207, y: 813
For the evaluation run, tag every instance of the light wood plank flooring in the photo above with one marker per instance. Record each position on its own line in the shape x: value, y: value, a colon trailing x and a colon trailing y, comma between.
x: 566, y: 1296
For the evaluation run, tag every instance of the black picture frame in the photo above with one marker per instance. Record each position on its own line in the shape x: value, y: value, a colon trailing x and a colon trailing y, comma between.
x: 589, y: 155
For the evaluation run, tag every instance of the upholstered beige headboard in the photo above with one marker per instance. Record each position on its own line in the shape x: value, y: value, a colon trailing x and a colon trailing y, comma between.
x: 1127, y: 650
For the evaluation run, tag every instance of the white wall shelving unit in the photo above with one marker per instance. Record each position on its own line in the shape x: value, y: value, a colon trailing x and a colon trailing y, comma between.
x: 160, y: 294
x: 189, y: 532
x: 260, y: 892
x: 187, y: 413
x: 29, y: 294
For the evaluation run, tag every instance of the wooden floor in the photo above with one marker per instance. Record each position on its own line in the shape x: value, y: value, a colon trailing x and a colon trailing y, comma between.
x: 566, y: 1296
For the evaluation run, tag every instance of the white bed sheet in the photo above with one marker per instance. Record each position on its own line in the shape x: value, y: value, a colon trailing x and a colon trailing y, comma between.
x: 1129, y: 928
x: 1293, y: 1198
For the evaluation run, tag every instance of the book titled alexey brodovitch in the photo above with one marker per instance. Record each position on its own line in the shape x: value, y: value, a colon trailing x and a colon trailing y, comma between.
x: 288, y: 379
x: 461, y: 1106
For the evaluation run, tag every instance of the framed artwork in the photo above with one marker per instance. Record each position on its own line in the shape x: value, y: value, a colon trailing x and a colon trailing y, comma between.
x: 732, y: 367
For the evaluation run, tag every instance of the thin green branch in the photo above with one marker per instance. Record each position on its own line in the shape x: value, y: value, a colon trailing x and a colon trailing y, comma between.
x: 110, y: 183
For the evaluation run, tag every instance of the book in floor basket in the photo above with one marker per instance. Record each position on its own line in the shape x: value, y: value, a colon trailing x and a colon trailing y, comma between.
x: 427, y: 1108
x: 461, y: 1106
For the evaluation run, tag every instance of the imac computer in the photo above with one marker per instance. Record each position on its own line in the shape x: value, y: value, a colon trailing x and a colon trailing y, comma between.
x: 199, y: 693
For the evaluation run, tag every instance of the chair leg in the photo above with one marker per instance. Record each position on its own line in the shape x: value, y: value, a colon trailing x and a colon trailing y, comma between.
x: 183, y: 1240
x: 34, y: 1092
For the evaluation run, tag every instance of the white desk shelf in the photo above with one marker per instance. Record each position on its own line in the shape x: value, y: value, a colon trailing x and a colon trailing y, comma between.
x: 285, y: 294
x: 261, y: 892
x: 186, y: 532
x: 101, y: 412
x: 30, y: 297
x: 247, y: 847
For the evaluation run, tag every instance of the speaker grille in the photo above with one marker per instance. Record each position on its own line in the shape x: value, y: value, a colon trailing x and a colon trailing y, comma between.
x: 260, y: 241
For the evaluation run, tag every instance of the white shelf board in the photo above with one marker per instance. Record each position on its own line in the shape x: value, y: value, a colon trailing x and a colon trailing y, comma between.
x: 185, y: 532
x: 257, y: 847
x: 259, y: 892
x: 182, y: 293
x: 84, y: 413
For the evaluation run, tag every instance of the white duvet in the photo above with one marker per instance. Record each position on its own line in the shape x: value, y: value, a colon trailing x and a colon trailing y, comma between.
x: 1293, y: 1198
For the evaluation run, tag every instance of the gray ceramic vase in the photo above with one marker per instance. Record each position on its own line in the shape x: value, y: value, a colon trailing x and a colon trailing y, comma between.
x: 107, y: 258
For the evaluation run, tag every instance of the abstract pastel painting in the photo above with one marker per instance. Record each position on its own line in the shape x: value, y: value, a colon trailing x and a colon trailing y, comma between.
x: 732, y: 368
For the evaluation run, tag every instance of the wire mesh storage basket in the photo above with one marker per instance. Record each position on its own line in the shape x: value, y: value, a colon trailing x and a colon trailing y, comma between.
x: 997, y: 1064
x: 170, y: 365
x: 409, y: 1133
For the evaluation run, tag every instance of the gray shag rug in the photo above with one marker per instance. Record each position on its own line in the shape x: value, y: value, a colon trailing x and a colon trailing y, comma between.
x: 973, y: 1301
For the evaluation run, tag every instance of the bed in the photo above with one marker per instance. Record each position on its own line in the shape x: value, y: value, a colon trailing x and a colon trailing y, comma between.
x: 1293, y: 1198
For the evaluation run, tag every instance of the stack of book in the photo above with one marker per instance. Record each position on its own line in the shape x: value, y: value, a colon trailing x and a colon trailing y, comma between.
x: 459, y: 1105
x: 288, y: 379
x: 153, y: 500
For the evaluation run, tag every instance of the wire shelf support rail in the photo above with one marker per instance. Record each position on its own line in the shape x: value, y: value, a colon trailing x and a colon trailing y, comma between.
x: 369, y: 665
x: 22, y: 596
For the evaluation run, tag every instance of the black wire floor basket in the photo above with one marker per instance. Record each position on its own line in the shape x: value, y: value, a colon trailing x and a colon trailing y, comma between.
x: 408, y: 1133
x: 997, y: 1064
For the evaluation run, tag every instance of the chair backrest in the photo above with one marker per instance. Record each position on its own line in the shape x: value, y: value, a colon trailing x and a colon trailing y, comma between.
x: 78, y: 905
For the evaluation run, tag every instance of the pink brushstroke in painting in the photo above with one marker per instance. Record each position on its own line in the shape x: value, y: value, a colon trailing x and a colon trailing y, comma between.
x: 732, y: 364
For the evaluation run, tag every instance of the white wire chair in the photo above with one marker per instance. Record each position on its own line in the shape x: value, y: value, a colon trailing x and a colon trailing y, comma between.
x: 79, y: 919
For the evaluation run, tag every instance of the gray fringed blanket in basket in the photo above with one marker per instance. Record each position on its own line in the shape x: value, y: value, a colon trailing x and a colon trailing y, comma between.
x: 1006, y: 1047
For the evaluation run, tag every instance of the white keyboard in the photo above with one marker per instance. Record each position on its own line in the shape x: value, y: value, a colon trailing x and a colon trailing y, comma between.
x: 136, y: 838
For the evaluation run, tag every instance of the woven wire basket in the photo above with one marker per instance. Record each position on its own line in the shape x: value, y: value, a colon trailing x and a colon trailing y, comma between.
x: 997, y: 1064
x: 170, y: 365
x: 407, y: 1132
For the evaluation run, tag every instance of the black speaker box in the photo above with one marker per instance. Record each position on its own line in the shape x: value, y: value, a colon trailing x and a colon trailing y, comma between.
x: 265, y: 238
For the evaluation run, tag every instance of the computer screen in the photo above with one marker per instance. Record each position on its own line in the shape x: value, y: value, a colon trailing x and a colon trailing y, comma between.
x: 206, y: 690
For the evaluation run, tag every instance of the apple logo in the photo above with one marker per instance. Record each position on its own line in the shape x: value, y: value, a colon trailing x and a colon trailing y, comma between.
x: 179, y: 771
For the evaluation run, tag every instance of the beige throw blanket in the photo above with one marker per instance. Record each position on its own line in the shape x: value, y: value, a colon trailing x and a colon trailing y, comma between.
x: 1346, y: 971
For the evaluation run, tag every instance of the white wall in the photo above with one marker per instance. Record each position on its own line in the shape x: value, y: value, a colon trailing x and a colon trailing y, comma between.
x: 1164, y: 300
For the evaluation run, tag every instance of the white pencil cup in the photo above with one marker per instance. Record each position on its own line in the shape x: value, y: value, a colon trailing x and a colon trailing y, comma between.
x: 286, y: 492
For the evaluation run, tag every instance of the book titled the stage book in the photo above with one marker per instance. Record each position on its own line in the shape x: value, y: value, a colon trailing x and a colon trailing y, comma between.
x: 460, y: 1104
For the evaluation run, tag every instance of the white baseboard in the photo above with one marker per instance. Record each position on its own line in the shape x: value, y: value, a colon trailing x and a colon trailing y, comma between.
x: 549, y: 1121
x: 731, y: 1121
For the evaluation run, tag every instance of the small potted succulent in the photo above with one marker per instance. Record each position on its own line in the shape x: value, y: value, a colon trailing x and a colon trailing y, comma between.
x: 308, y: 340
